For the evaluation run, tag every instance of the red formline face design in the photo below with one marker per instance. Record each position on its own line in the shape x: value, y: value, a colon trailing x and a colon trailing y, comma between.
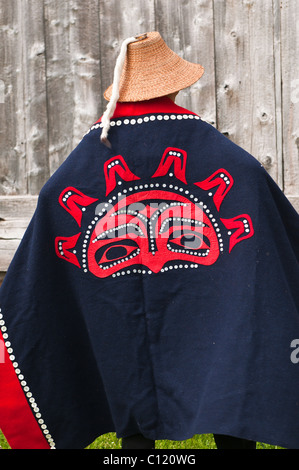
x: 151, y: 227
x: 162, y: 227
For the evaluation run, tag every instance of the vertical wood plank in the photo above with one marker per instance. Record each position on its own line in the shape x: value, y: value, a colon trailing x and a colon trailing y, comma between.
x: 245, y: 77
x: 31, y: 21
x: 120, y: 19
x: 73, y: 73
x: 85, y: 61
x: 12, y: 129
x: 290, y: 93
x: 278, y: 94
x: 60, y: 82
x: 187, y: 28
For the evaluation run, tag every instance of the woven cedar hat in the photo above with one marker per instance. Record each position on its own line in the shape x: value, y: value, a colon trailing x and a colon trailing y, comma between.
x: 151, y: 70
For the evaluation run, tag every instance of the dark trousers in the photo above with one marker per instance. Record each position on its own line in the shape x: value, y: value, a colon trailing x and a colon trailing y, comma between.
x: 222, y: 442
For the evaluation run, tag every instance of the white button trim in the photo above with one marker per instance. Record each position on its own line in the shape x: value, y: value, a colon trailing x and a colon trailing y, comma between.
x: 140, y: 120
x: 25, y: 387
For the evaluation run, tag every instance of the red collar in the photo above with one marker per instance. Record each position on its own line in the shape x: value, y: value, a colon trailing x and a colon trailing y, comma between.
x: 157, y: 105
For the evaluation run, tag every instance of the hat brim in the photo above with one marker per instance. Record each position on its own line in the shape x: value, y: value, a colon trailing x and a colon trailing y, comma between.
x: 157, y: 86
x: 154, y: 72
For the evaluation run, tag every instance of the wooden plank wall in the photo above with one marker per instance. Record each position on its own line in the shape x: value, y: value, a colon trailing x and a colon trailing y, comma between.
x: 57, y: 58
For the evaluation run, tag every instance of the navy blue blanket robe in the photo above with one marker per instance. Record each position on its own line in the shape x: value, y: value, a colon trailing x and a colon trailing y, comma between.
x: 155, y: 291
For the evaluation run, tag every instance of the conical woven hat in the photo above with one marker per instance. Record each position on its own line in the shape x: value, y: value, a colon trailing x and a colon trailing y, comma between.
x: 151, y: 69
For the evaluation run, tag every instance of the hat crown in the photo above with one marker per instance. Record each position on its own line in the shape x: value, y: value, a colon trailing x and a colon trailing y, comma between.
x: 145, y: 56
x: 145, y: 41
x: 147, y: 51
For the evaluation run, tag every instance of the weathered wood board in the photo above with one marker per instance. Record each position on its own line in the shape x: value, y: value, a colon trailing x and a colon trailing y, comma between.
x: 15, y: 215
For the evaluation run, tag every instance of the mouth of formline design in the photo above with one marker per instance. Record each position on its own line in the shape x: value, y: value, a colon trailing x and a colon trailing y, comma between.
x: 151, y: 229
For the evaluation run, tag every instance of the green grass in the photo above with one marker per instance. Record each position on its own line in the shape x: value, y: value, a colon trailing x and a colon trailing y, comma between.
x: 204, y: 441
x: 3, y: 442
x: 110, y: 441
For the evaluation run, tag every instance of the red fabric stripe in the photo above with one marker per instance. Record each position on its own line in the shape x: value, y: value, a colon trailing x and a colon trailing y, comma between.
x: 17, y: 421
x: 157, y: 105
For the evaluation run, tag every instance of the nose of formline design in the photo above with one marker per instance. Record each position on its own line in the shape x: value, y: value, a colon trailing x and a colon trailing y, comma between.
x: 153, y: 260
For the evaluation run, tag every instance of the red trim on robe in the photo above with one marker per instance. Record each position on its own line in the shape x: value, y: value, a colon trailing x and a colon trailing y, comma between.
x: 17, y: 421
x: 157, y: 105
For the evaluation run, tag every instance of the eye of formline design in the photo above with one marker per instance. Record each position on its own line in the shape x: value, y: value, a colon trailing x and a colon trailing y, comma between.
x: 153, y: 226
x: 190, y: 241
x: 114, y: 252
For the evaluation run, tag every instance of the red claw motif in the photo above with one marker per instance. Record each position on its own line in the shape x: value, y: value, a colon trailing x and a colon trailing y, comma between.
x: 178, y: 158
x: 64, y: 246
x: 71, y: 200
x: 222, y: 181
x: 153, y: 227
x: 117, y: 165
x: 244, y: 229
